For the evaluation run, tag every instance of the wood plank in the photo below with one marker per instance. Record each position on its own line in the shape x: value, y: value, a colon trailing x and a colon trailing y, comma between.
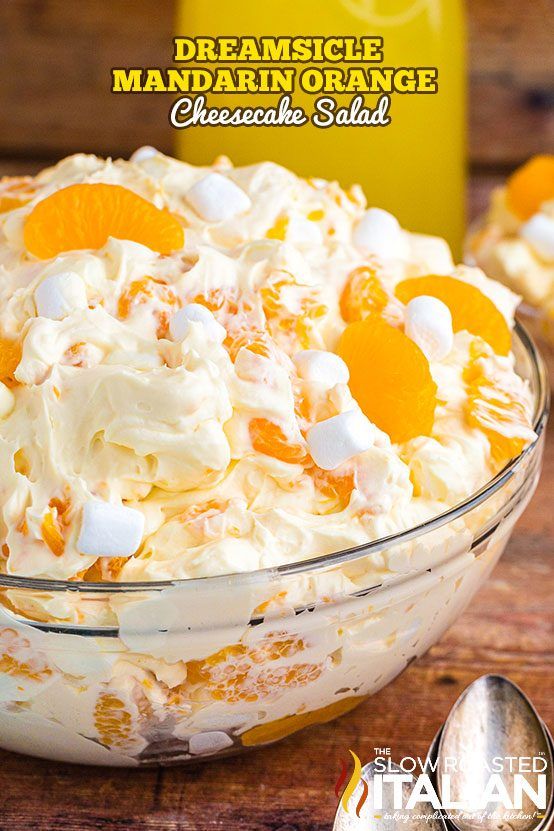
x: 56, y: 58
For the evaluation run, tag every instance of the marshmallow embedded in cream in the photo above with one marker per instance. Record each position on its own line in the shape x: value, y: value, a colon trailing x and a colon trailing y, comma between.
x: 144, y: 153
x: 217, y: 198
x: 320, y: 367
x: 180, y: 323
x: 539, y: 233
x: 429, y: 324
x: 60, y: 294
x: 110, y: 530
x: 204, y: 744
x: 337, y: 439
x: 378, y: 232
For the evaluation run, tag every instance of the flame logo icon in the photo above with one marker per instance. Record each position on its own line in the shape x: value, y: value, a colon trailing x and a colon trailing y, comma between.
x: 355, y: 779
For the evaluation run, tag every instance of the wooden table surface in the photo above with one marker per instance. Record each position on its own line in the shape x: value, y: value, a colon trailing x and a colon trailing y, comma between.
x: 290, y: 786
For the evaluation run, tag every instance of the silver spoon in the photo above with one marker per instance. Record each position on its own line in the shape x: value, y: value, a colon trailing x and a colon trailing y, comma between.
x: 382, y: 819
x: 492, y: 719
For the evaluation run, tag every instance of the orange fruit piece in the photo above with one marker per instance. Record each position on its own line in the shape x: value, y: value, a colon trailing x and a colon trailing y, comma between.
x: 498, y: 404
x: 275, y: 730
x: 18, y: 659
x: 363, y: 295
x: 15, y: 192
x: 334, y: 485
x: 239, y: 673
x: 471, y: 310
x: 269, y: 439
x: 291, y: 310
x: 85, y: 215
x: 279, y: 230
x: 52, y: 535
x: 389, y: 378
x: 105, y: 569
x: 113, y: 722
x: 530, y: 186
x: 10, y: 356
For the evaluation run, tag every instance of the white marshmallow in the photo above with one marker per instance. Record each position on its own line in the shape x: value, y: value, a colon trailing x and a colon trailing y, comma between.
x: 179, y: 325
x: 60, y: 294
x: 429, y: 324
x: 335, y: 440
x: 7, y: 401
x: 320, y: 367
x: 216, y: 198
x: 539, y: 233
x: 378, y: 232
x: 202, y: 744
x: 110, y: 530
x: 302, y: 231
x: 143, y: 153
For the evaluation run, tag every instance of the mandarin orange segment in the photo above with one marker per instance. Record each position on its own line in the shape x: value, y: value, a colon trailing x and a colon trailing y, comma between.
x: 52, y: 535
x: 10, y: 356
x: 334, y: 485
x: 498, y: 404
x: 240, y: 673
x: 268, y: 438
x: 146, y: 289
x: 282, y: 727
x: 279, y: 230
x: 18, y: 659
x: 363, y: 295
x: 471, y: 310
x: 105, y: 569
x: 291, y: 310
x: 530, y: 186
x: 389, y: 378
x: 10, y: 203
x: 113, y: 722
x: 15, y: 192
x: 86, y: 215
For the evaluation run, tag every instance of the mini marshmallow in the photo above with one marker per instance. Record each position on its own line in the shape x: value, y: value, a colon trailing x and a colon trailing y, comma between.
x: 335, y: 440
x: 60, y: 294
x: 179, y: 325
x: 202, y: 744
x: 320, y: 367
x: 378, y: 232
x: 143, y: 153
x: 110, y: 530
x: 7, y: 401
x: 216, y: 198
x: 429, y: 324
x: 302, y: 231
x: 539, y: 233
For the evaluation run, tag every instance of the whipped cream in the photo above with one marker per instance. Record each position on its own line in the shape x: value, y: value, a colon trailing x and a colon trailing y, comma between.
x: 126, y: 393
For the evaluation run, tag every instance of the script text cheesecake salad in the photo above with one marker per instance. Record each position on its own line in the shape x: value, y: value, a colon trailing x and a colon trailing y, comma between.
x: 207, y: 371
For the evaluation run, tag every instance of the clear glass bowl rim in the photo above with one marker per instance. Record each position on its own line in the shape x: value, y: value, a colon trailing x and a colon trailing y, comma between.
x: 542, y: 406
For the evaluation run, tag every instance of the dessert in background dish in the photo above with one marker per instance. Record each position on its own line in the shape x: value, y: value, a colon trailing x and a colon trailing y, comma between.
x: 514, y: 241
x: 216, y: 371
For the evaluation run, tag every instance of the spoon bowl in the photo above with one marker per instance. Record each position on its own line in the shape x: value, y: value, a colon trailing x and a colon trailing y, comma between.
x: 493, y: 729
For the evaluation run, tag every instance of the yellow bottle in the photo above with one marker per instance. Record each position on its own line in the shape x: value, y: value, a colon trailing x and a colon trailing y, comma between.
x: 415, y: 167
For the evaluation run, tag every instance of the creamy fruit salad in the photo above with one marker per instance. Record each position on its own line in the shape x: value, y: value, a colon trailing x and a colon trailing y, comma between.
x: 212, y: 371
x: 515, y: 242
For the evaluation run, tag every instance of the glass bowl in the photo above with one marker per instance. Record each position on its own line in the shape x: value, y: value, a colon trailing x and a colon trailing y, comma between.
x: 535, y: 318
x: 173, y: 672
